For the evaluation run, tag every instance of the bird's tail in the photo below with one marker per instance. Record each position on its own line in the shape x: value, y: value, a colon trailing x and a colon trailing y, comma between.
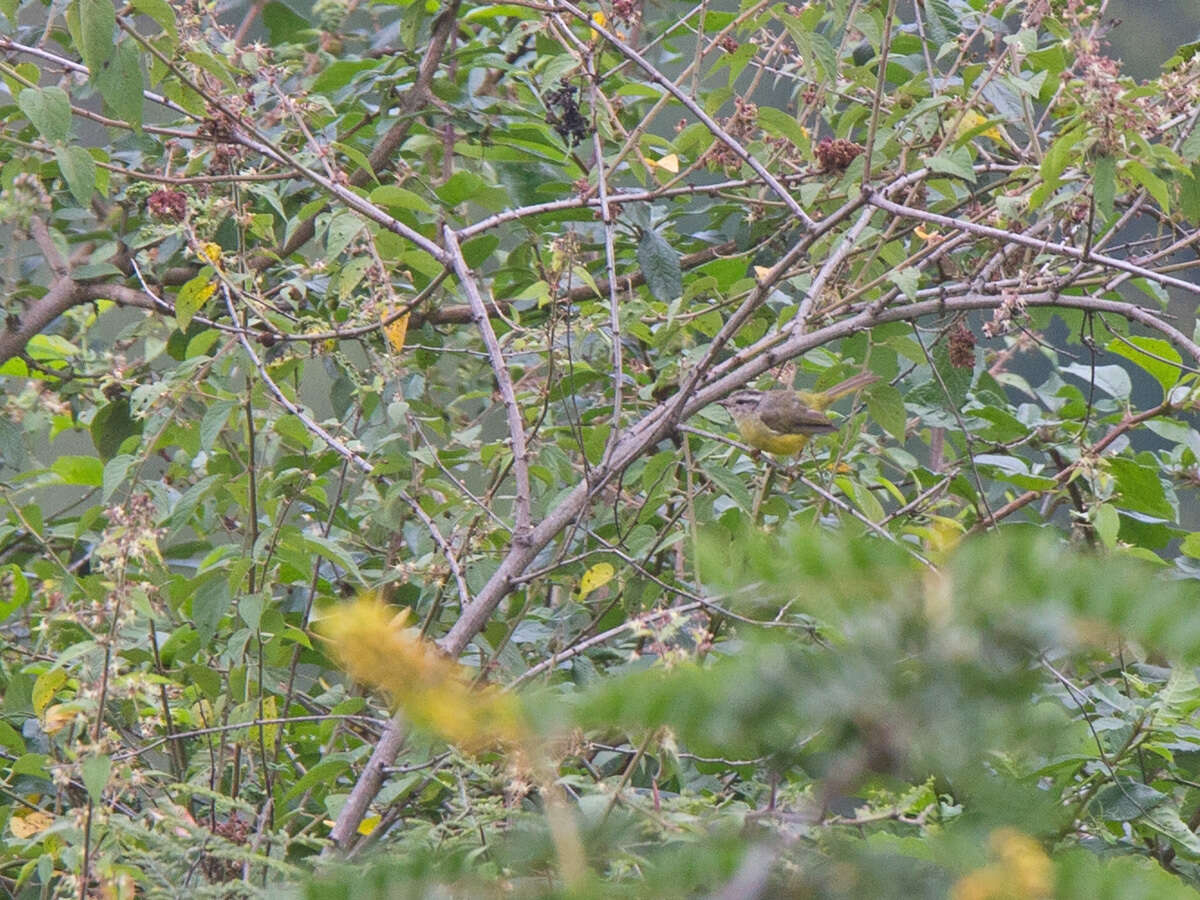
x: 849, y: 386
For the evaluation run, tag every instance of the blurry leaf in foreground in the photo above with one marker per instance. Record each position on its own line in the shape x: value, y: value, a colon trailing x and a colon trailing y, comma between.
x: 374, y: 647
x: 1021, y: 869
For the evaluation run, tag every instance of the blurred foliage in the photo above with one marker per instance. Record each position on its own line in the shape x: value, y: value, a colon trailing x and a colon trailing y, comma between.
x: 310, y: 301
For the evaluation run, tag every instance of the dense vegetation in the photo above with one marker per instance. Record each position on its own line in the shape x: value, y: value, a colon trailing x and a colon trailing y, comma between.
x: 368, y: 526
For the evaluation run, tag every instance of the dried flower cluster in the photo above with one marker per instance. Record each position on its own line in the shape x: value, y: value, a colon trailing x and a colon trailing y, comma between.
x: 1011, y: 307
x: 167, y: 205
x: 741, y: 126
x: 626, y: 11
x: 961, y: 344
x: 835, y: 154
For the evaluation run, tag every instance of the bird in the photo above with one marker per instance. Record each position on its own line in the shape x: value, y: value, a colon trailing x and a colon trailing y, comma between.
x: 782, y: 421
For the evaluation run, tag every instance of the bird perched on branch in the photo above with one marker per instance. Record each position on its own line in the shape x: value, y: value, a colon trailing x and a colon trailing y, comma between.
x: 782, y: 421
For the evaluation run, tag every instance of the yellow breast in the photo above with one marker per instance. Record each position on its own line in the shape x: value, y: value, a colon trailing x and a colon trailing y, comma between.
x: 759, y: 435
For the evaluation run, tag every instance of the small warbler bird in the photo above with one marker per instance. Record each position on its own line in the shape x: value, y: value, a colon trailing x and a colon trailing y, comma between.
x: 782, y: 421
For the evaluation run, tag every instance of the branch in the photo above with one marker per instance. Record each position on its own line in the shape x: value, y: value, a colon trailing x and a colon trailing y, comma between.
x: 643, y: 436
x: 696, y: 110
x: 462, y: 314
x: 414, y: 99
x: 1010, y: 237
x: 64, y: 293
x: 41, y: 236
x: 516, y: 424
x: 1065, y: 474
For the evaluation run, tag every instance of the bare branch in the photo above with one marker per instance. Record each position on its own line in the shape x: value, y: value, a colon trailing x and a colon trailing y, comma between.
x: 516, y: 424
x: 696, y: 110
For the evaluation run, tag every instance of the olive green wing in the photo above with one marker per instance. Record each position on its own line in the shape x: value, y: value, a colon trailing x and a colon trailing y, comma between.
x: 784, y: 412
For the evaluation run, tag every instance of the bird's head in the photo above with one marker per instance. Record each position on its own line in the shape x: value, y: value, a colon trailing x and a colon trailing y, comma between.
x: 741, y: 404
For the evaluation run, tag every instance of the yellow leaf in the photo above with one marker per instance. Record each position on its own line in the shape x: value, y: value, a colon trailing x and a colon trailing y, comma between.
x: 396, y: 331
x: 761, y: 272
x: 211, y: 252
x: 369, y: 824
x: 269, y: 711
x: 669, y: 163
x: 599, y: 18
x: 595, y: 577
x: 46, y: 687
x: 26, y: 823
x: 59, y: 716
x: 970, y: 121
x: 929, y: 237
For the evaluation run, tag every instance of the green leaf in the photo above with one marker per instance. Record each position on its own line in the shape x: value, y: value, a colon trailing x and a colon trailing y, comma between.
x: 733, y: 485
x: 862, y: 497
x: 1126, y: 800
x: 95, y: 771
x: 324, y: 772
x: 1165, y: 819
x: 1160, y: 358
x: 943, y: 23
x: 908, y: 280
x: 78, y: 170
x: 459, y: 187
x: 26, y: 70
x: 1056, y: 159
x: 1190, y: 546
x: 283, y: 26
x: 356, y: 156
x: 479, y: 250
x: 120, y: 83
x: 824, y: 54
x: 204, y: 678
x: 947, y: 388
x: 311, y: 546
x: 192, y: 297
x: 343, y: 228
x: 293, y: 431
x: 97, y: 21
x: 886, y: 408
x: 85, y: 470
x: 1107, y: 522
x: 391, y: 197
x: 660, y: 266
x: 115, y: 472
x: 49, y: 109
x: 1155, y: 186
x: 161, y: 12
x: 1190, y: 149
x: 201, y: 343
x: 17, y: 591
x: 656, y: 468
x: 339, y: 74
x: 781, y: 123
x: 1113, y: 380
x: 111, y: 426
x: 11, y: 740
x: 1189, y: 198
x: 12, y: 439
x: 1140, y: 488
x: 210, y: 601
x: 957, y: 161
